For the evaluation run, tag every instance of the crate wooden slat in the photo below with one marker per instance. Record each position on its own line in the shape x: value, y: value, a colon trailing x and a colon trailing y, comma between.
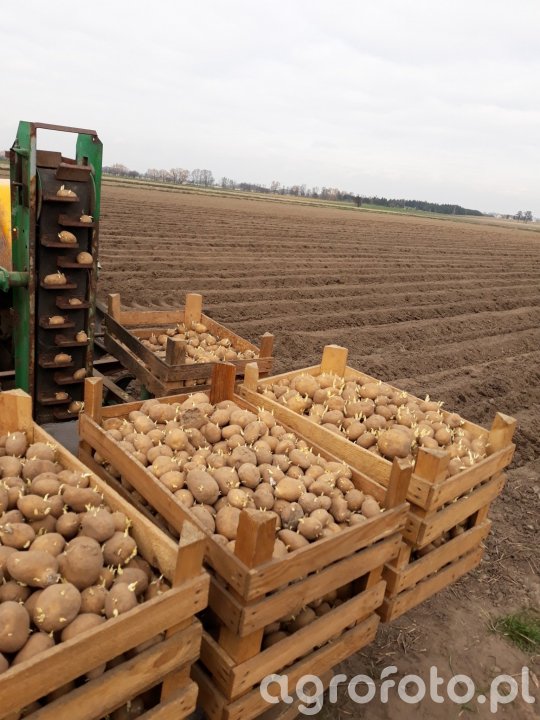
x: 249, y: 589
x: 171, y: 613
x: 438, y: 504
x: 164, y: 376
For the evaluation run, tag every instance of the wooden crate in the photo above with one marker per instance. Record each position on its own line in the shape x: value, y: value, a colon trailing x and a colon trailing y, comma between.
x: 167, y: 663
x: 250, y: 590
x: 126, y: 328
x: 438, y: 504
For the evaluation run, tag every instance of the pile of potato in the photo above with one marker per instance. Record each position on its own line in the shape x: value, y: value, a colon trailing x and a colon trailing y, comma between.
x: 385, y: 421
x: 67, y: 560
x: 219, y: 459
x: 201, y: 345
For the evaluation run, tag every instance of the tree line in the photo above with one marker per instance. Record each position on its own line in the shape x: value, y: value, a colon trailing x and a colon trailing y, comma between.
x: 205, y: 178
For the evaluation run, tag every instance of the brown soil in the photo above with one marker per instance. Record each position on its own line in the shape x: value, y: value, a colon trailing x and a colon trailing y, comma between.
x: 441, y: 307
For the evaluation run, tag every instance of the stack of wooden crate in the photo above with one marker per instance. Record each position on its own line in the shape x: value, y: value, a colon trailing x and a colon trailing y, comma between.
x: 166, y: 663
x: 250, y: 590
x: 439, y: 504
x: 125, y: 330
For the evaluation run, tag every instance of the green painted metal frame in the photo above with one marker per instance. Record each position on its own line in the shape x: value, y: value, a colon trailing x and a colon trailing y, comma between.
x: 23, y: 223
x: 89, y: 150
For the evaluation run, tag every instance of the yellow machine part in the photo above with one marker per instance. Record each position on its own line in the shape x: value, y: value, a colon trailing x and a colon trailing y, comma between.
x: 5, y: 225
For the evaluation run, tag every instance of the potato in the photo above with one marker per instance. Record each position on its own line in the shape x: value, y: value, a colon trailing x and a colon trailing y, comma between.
x: 10, y: 466
x: 202, y: 486
x: 205, y: 517
x: 158, y: 451
x: 119, y: 549
x: 4, y: 500
x: 36, y: 466
x: 68, y: 525
x: 310, y: 528
x: 290, y: 515
x: 249, y: 475
x: 57, y: 320
x: 44, y: 526
x: 84, y: 258
x: 370, y: 507
x: 173, y: 480
x: 12, y: 516
x: 81, y: 562
x: 78, y: 499
x: 304, y: 618
x: 322, y: 515
x: 394, y: 443
x: 106, y: 577
x: 227, y: 520
x: 58, y: 606
x: 280, y: 549
x: 16, y: 444
x: 56, y: 278
x: 35, y: 568
x: 41, y: 451
x: 135, y: 577
x: 254, y: 430
x: 242, y: 455
x: 274, y: 638
x: 93, y: 599
x: 82, y: 623
x: 185, y: 497
x: 237, y: 498
x: 367, y: 440
x: 17, y: 535
x: 37, y: 643
x: 97, y: 524
x: 15, y: 487
x: 34, y: 507
x: 14, y: 627
x: 74, y: 479
x: 321, y: 486
x: 263, y: 453
x: 289, y: 489
x: 443, y: 436
x: 45, y: 484
x: 292, y: 540
x: 5, y: 552
x: 67, y: 237
x: 339, y: 509
x: 120, y: 599
x: 354, y: 499
x: 263, y: 497
x: 305, y: 384
x: 12, y: 590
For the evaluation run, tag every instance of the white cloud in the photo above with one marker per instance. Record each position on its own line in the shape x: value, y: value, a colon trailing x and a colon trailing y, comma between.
x: 428, y: 100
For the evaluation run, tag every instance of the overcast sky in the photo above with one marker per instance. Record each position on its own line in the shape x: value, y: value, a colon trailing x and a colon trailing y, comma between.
x: 422, y: 99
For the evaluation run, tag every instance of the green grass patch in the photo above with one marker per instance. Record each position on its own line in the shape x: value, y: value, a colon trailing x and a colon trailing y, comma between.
x: 521, y: 629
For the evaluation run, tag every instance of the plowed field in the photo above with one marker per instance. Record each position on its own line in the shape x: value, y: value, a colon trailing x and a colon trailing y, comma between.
x: 449, y: 308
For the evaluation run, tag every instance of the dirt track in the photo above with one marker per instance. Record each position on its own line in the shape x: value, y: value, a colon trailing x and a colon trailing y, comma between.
x: 441, y: 307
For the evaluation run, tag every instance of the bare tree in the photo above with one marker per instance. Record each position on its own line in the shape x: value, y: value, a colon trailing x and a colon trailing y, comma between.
x: 180, y: 175
x: 207, y: 178
x: 274, y: 186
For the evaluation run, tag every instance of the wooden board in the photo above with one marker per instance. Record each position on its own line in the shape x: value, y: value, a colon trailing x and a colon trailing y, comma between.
x: 394, y: 607
x: 252, y: 705
x: 401, y: 579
